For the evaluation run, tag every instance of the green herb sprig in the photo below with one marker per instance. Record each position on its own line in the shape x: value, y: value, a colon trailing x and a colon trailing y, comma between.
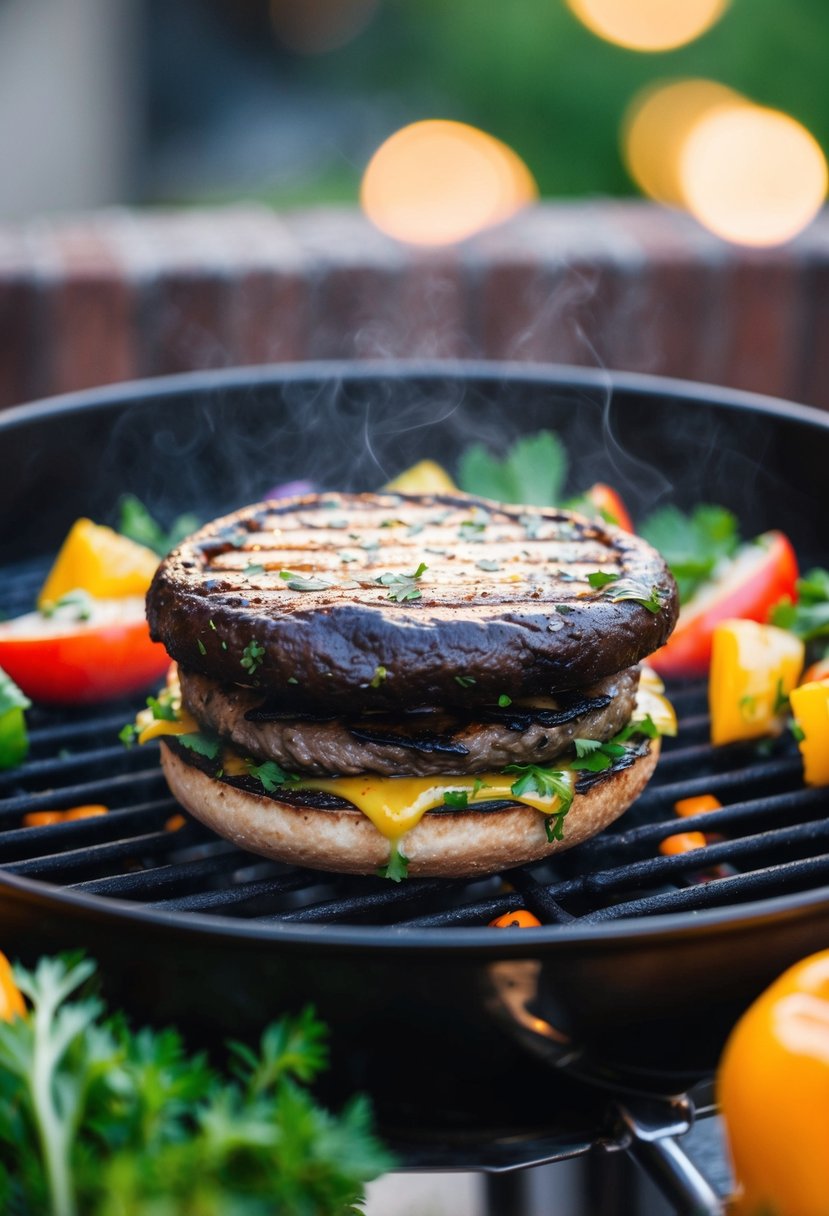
x: 98, y: 1120
x: 136, y: 522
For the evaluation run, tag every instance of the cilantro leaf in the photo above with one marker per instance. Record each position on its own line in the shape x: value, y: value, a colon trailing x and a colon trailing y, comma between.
x: 640, y: 593
x: 136, y: 522
x: 601, y: 578
x: 299, y: 582
x: 544, y: 782
x: 692, y: 544
x: 533, y: 471
x: 585, y: 746
x: 809, y: 616
x: 201, y: 744
x: 162, y: 707
x: 270, y: 775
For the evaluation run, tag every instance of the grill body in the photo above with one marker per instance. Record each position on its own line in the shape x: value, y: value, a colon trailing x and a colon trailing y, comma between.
x: 639, y: 970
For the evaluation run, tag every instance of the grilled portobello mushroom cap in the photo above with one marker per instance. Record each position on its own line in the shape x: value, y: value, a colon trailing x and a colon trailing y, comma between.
x: 351, y: 602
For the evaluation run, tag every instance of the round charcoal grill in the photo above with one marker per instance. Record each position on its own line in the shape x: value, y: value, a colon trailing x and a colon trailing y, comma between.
x: 643, y: 961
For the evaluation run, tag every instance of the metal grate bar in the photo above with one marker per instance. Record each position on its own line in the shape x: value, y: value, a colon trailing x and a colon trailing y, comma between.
x: 21, y: 843
x: 62, y: 865
x: 111, y: 757
x: 214, y: 860
x: 240, y: 893
x: 775, y: 880
x: 101, y: 790
x: 415, y: 891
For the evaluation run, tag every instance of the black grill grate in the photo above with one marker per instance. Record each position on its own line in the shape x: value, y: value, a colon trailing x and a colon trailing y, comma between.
x: 770, y: 838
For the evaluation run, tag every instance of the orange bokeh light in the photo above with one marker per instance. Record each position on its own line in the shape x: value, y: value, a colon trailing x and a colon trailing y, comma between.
x: 648, y: 25
x: 752, y: 175
x: 657, y: 123
x: 437, y: 182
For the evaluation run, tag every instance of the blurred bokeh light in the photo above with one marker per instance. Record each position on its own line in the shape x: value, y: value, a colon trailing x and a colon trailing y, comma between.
x: 752, y: 175
x: 654, y: 130
x: 649, y: 25
x: 437, y: 182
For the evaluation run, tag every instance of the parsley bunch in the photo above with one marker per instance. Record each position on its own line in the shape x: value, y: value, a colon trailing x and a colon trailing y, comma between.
x: 136, y: 522
x: 98, y: 1121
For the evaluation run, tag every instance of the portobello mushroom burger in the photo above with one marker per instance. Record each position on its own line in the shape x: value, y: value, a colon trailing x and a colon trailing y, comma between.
x: 431, y: 684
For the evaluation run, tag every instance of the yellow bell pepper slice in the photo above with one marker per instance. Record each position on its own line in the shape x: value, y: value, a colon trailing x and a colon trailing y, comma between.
x: 773, y: 1090
x: 425, y: 477
x: 98, y: 560
x: 753, y: 670
x: 810, y: 706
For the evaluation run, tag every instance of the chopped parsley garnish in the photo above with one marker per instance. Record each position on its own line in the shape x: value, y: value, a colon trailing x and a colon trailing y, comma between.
x: 504, y: 701
x: 298, y: 582
x: 531, y: 525
x: 472, y: 530
x: 253, y: 568
x: 397, y: 867
x: 379, y: 676
x: 201, y: 646
x: 163, y: 707
x: 458, y: 800
x: 545, y: 782
x: 617, y: 588
x: 403, y: 586
x: 77, y: 605
x: 201, y: 744
x: 465, y: 681
x: 594, y: 756
x: 600, y: 578
x: 251, y: 658
x: 797, y: 731
x: 127, y: 734
x: 564, y: 609
x: 490, y: 566
x: 693, y: 544
x: 370, y: 545
x: 532, y: 471
x: 270, y: 775
x: 347, y: 558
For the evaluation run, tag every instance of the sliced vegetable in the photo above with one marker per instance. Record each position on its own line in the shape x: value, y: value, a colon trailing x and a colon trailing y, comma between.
x: 682, y: 842
x: 425, y: 477
x: 602, y: 502
x: 810, y: 706
x: 817, y: 671
x: 100, y: 562
x: 745, y: 586
x: 12, y: 1004
x: 14, y: 739
x: 697, y: 805
x: 519, y: 919
x: 65, y: 661
x: 43, y: 819
x: 753, y: 670
x: 772, y: 1088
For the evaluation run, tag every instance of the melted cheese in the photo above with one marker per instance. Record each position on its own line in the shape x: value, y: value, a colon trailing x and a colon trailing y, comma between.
x: 185, y: 724
x: 396, y: 804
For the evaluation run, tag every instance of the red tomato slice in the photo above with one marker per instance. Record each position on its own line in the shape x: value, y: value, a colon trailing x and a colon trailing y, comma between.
x: 759, y: 575
x: 609, y: 505
x: 82, y: 662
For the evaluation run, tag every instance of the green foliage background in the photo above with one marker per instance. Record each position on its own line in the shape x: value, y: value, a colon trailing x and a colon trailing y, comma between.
x: 530, y: 73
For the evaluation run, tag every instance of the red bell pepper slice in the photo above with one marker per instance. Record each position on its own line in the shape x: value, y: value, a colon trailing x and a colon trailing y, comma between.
x: 748, y: 586
x: 81, y: 662
x: 609, y: 505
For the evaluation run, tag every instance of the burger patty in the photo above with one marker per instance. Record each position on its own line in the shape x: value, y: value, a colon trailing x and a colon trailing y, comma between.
x: 417, y: 743
x: 346, y: 603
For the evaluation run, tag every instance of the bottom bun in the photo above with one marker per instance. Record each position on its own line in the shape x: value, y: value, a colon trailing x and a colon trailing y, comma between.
x: 456, y: 844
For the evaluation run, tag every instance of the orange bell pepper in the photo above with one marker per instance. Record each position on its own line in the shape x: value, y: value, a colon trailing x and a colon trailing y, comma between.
x: 753, y: 670
x: 810, y: 706
x: 12, y: 1004
x: 519, y: 919
x: 773, y: 1089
